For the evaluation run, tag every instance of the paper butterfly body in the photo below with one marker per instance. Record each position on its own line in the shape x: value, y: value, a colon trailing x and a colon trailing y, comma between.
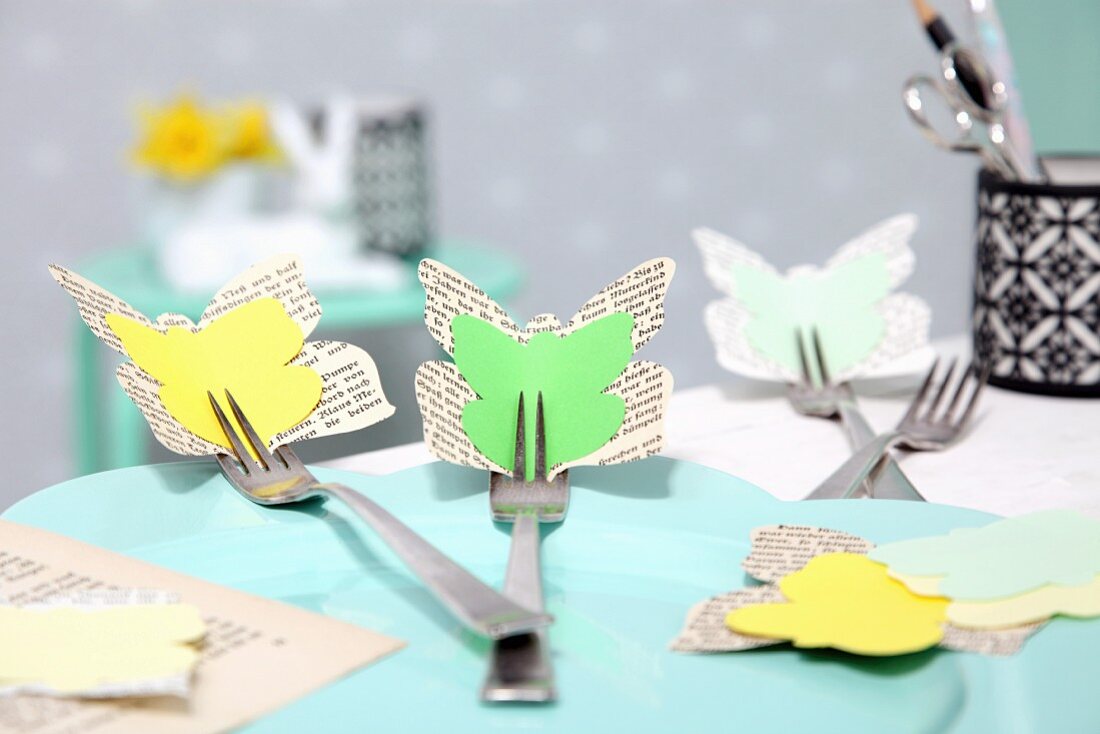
x: 865, y: 328
x: 251, y: 341
x: 599, y: 407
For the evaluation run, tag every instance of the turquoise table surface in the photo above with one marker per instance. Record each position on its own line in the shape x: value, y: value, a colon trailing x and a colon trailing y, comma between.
x: 641, y: 544
x: 111, y: 433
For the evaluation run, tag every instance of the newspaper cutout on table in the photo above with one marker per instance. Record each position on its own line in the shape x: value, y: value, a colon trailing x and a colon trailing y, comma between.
x: 779, y: 550
x: 351, y: 396
x: 247, y: 639
x: 645, y: 387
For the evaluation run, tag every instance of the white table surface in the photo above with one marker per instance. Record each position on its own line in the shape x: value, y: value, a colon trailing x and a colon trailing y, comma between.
x: 1022, y: 452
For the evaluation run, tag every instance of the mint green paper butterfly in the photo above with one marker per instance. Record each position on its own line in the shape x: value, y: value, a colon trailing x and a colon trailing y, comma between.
x: 571, y: 372
x: 861, y: 322
x: 838, y: 302
x: 1005, y: 558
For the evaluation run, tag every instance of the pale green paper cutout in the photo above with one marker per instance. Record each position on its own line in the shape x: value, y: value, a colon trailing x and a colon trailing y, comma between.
x: 1005, y: 558
x: 839, y: 303
x: 571, y: 372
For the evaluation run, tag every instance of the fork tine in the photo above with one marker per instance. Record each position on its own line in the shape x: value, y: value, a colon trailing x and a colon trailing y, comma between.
x: 979, y: 380
x: 807, y: 378
x: 540, y: 443
x: 821, y: 366
x: 243, y: 457
x: 950, y: 410
x: 289, y: 458
x: 934, y: 406
x: 519, y: 461
x: 914, y: 405
x: 253, y: 438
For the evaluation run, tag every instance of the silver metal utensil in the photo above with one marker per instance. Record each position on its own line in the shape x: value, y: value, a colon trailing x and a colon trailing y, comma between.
x: 818, y: 395
x: 279, y: 477
x: 520, y: 667
x: 922, y: 428
x: 979, y: 123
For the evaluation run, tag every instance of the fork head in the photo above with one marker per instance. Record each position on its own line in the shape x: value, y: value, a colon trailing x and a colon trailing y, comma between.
x: 816, y: 394
x: 510, y: 495
x: 264, y: 477
x: 927, y: 427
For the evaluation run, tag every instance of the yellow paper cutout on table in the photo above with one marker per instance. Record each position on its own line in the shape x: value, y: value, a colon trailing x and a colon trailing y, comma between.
x: 1033, y: 606
x: 846, y: 601
x: 920, y: 585
x: 69, y: 650
x: 246, y: 351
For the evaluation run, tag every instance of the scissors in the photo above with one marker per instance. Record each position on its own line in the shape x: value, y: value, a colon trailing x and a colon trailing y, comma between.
x: 975, y: 95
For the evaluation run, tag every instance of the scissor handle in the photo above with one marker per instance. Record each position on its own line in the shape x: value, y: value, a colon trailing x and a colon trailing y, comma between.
x: 963, y: 141
x: 972, y: 84
x: 914, y: 105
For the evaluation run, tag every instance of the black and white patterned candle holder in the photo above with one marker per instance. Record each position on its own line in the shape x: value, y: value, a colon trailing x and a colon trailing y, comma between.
x: 391, y: 189
x: 1036, y: 322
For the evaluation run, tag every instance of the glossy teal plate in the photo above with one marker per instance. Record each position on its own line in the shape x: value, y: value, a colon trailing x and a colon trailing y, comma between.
x: 642, y: 543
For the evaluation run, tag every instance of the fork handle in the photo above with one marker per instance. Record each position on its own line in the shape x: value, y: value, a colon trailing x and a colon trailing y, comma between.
x: 844, y: 482
x: 519, y: 667
x: 481, y: 608
x: 889, y: 482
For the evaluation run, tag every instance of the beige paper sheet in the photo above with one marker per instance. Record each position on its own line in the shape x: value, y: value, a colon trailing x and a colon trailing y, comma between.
x: 258, y: 656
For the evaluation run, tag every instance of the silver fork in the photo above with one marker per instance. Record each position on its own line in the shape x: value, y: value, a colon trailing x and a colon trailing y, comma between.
x: 922, y: 428
x: 520, y: 668
x: 823, y: 398
x: 281, y: 478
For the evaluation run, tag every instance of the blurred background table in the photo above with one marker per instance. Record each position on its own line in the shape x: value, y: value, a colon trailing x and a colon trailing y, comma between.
x: 1022, y: 452
x: 111, y: 433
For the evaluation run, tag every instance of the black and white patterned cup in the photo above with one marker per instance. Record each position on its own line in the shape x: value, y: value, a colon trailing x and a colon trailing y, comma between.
x: 1036, y: 320
x: 391, y: 189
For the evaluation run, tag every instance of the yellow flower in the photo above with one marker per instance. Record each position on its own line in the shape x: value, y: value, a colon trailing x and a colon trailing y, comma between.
x: 250, y: 137
x: 848, y: 602
x: 183, y: 141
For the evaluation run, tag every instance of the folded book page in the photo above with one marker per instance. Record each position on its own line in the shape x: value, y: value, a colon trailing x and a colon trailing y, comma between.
x: 351, y: 394
x: 299, y: 650
x: 865, y: 328
x: 443, y: 394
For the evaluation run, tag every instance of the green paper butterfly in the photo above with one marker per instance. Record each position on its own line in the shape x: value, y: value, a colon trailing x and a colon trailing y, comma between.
x: 850, y: 303
x: 469, y: 406
x: 571, y: 372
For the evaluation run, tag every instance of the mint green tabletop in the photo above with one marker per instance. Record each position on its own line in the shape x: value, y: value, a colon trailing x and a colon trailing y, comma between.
x: 109, y: 431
